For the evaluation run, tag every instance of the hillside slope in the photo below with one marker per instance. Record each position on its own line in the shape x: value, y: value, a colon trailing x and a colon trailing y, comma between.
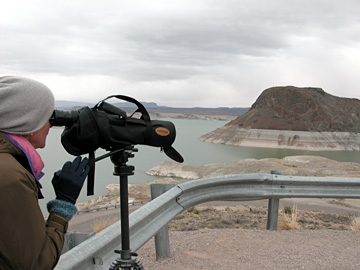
x: 301, y: 109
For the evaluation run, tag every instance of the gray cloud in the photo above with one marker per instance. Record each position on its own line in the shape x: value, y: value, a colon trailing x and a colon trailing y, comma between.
x: 235, y: 48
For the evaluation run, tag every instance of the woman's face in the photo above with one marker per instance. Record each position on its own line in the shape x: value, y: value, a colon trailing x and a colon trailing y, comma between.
x: 38, y: 138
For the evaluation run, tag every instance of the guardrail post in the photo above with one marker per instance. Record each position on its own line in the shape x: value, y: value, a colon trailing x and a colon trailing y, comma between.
x: 273, y: 210
x: 162, y: 242
x: 273, y: 214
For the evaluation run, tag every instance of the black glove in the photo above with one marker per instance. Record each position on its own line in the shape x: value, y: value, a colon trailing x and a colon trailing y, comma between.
x: 68, y: 182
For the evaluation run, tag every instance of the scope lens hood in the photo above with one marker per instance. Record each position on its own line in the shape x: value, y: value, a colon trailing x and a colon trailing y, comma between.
x: 173, y: 154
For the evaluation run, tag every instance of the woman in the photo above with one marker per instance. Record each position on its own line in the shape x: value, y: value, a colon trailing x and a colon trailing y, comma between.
x: 27, y: 241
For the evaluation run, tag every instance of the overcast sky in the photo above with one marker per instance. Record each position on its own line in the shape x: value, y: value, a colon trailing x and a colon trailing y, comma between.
x: 182, y: 53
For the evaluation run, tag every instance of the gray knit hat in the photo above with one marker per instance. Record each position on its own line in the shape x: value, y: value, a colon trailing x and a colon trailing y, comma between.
x: 25, y: 105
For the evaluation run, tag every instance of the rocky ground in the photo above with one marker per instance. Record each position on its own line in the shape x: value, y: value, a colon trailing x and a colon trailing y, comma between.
x: 255, y: 217
x: 245, y: 216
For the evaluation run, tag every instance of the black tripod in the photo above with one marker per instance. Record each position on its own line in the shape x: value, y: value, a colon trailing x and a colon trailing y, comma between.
x: 119, y: 158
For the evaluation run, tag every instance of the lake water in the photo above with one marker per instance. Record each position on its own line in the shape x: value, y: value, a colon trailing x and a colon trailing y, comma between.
x: 187, y: 144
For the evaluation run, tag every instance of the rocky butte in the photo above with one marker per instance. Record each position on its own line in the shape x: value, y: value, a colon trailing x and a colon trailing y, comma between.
x: 296, y: 118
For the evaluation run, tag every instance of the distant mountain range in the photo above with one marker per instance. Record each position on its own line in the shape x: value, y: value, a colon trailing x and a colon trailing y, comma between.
x: 154, y: 108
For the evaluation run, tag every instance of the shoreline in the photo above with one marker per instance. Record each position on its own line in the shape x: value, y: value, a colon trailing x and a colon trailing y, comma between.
x: 284, y: 139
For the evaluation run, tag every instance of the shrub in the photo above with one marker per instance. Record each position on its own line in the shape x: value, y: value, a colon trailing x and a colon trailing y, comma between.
x: 289, y: 219
x: 288, y: 210
x: 194, y: 210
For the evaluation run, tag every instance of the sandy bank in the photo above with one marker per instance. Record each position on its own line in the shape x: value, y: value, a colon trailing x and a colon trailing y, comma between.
x: 302, y: 140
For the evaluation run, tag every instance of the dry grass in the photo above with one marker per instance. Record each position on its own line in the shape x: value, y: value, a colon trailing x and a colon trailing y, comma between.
x: 356, y: 224
x: 99, y: 225
x: 289, y: 219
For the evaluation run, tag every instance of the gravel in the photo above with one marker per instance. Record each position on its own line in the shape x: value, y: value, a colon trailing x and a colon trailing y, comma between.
x: 256, y: 249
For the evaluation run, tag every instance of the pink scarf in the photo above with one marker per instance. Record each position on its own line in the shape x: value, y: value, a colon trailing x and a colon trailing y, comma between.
x: 32, y: 155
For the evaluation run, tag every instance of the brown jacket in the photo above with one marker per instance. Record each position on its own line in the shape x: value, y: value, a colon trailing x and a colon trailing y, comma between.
x: 26, y: 240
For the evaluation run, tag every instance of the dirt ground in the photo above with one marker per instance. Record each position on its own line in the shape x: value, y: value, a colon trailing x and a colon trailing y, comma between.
x: 235, y: 238
x: 253, y: 249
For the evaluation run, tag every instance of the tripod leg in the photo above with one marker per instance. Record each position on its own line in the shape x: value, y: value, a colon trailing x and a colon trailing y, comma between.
x: 125, y: 233
x: 127, y: 260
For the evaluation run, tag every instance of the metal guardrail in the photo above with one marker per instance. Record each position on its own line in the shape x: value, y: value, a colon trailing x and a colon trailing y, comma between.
x: 98, y: 251
x: 73, y: 239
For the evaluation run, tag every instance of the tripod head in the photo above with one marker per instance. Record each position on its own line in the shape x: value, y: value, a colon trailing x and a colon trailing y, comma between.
x: 119, y: 157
